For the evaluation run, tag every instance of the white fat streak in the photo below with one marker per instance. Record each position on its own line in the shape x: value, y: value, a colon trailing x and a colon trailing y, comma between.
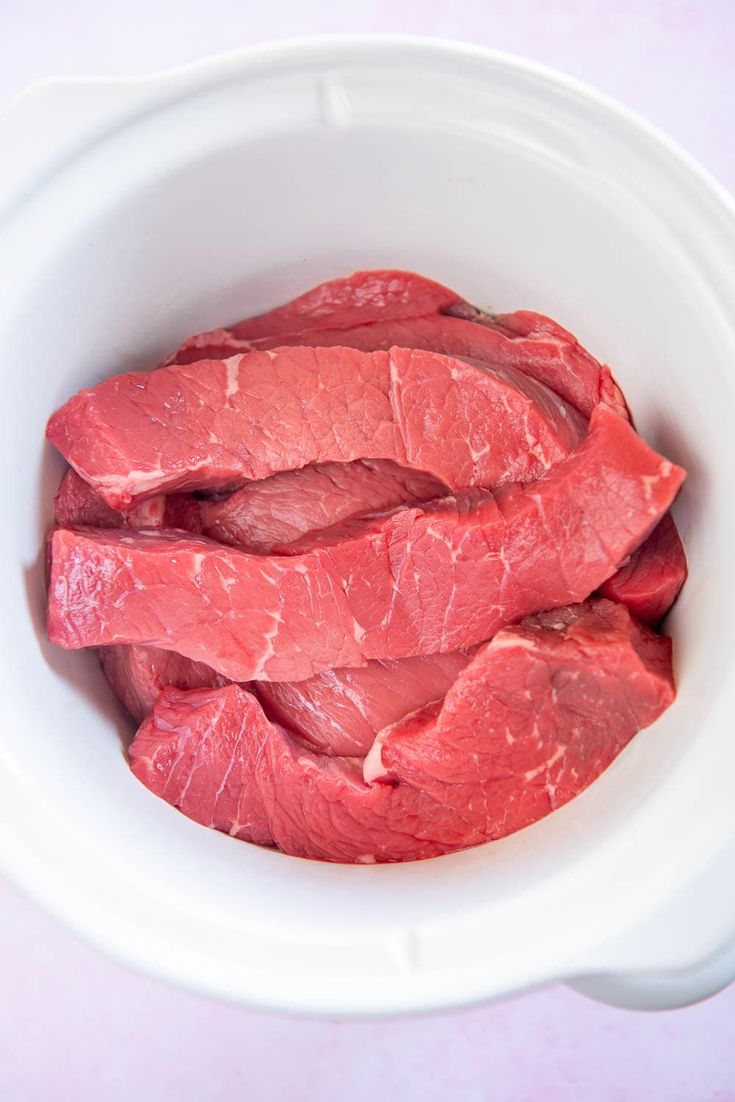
x: 197, y: 561
x: 534, y: 445
x: 506, y: 640
x: 233, y: 377
x: 372, y: 767
x: 394, y: 391
x: 530, y: 774
x: 137, y: 482
x: 652, y: 480
x: 217, y: 336
x: 270, y: 643
x: 151, y: 510
x: 396, y: 590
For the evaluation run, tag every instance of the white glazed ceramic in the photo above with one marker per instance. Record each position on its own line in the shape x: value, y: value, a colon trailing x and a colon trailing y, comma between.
x: 138, y: 211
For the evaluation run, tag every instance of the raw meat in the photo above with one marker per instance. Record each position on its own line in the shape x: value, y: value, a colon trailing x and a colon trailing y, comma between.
x: 380, y: 726
x: 215, y: 424
x: 275, y: 509
x: 341, y: 711
x: 650, y: 582
x: 375, y: 295
x: 76, y: 503
x: 138, y: 674
x: 554, y: 357
x: 416, y: 581
x: 290, y: 505
x: 525, y: 340
x: 214, y: 755
x: 551, y: 354
x: 534, y: 718
x: 541, y: 711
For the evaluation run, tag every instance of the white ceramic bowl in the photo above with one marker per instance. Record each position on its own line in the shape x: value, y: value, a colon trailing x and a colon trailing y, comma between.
x: 138, y: 211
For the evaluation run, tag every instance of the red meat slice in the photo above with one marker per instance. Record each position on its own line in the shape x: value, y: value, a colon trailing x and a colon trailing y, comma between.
x: 341, y: 711
x: 215, y: 424
x: 650, y: 582
x: 137, y: 675
x: 541, y: 711
x: 290, y: 505
x: 557, y: 361
x: 537, y: 716
x: 362, y: 297
x: 76, y: 503
x: 263, y: 514
x: 276, y: 509
x: 214, y: 755
x: 523, y: 340
x: 417, y: 581
x: 537, y: 346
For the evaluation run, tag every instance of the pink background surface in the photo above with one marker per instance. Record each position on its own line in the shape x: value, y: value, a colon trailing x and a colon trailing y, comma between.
x: 74, y: 1026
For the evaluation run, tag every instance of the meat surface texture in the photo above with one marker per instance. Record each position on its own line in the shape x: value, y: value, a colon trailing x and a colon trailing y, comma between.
x: 527, y: 342
x: 651, y: 581
x: 214, y: 755
x: 353, y: 300
x: 217, y: 423
x: 76, y: 503
x: 411, y: 582
x: 524, y: 340
x: 288, y: 506
x: 341, y: 711
x: 372, y: 571
x: 137, y: 675
x: 535, y: 717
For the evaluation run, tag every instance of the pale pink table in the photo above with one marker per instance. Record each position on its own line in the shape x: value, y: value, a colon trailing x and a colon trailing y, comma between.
x: 76, y: 1028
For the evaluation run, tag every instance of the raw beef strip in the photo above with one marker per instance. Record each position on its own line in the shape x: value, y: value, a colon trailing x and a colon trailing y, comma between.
x: 529, y: 342
x: 537, y: 716
x: 341, y: 711
x: 275, y: 510
x: 376, y: 295
x: 542, y: 348
x: 218, y: 423
x: 526, y: 341
x: 213, y: 754
x: 551, y: 354
x: 137, y: 675
x: 650, y: 582
x: 76, y: 504
x: 290, y: 505
x: 415, y: 581
x: 541, y: 711
x: 280, y: 508
x: 359, y: 299
x: 558, y: 361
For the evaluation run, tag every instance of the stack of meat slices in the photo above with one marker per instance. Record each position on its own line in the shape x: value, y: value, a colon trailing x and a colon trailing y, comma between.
x: 377, y: 574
